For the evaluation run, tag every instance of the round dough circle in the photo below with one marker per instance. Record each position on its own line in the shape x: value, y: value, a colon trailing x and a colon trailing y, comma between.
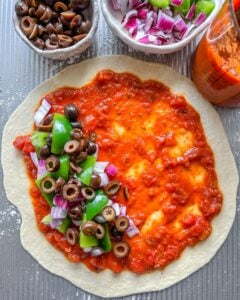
x: 106, y: 283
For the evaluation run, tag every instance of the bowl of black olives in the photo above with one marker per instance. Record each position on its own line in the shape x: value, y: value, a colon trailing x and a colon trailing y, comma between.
x: 56, y: 29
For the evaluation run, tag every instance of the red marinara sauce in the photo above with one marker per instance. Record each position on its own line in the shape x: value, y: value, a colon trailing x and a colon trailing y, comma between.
x: 156, y: 140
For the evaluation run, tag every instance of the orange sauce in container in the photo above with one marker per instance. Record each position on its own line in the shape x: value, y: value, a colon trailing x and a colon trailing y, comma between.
x: 216, y: 62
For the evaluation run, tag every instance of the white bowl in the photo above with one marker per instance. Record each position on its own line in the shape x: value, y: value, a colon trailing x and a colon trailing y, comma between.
x: 113, y: 18
x: 64, y: 53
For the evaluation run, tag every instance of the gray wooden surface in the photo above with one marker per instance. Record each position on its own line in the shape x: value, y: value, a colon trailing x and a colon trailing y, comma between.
x: 21, y: 277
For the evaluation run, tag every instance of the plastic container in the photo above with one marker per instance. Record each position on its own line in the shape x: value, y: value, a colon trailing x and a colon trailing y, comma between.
x: 216, y: 61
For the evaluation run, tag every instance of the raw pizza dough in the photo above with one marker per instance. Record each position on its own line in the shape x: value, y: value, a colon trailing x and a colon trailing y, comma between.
x: 106, y: 283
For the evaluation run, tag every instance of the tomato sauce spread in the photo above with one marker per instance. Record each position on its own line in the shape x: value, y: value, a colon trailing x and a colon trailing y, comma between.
x: 156, y: 140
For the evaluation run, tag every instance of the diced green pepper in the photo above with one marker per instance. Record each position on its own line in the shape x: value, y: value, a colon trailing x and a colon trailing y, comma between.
x: 39, y: 140
x: 184, y: 7
x: 48, y: 197
x: 160, y: 3
x: 87, y: 165
x: 60, y: 133
x: 105, y: 243
x: 64, y: 226
x: 47, y: 219
x: 96, y: 205
x: 63, y: 170
x: 86, y: 241
x: 205, y: 7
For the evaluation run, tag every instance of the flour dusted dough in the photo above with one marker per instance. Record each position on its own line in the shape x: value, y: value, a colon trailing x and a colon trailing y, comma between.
x: 106, y: 283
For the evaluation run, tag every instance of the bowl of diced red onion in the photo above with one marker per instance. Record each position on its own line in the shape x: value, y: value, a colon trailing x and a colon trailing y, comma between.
x: 159, y: 26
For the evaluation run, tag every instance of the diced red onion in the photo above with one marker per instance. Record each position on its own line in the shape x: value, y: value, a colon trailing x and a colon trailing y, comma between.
x: 42, y: 111
x: 111, y: 170
x: 200, y: 19
x: 164, y: 22
x: 190, y: 28
x: 123, y: 211
x: 58, y: 213
x: 34, y: 158
x: 41, y: 168
x: 99, y: 167
x: 104, y: 179
x: 176, y: 2
x: 96, y: 251
x: 77, y: 222
x: 129, y: 15
x: 59, y: 201
x: 110, y: 202
x: 142, y: 13
x: 168, y: 11
x: 191, y: 13
x: 149, y: 21
x: 115, y: 4
x: 116, y: 207
x: 87, y: 249
x: 139, y: 34
x: 180, y: 25
x: 132, y: 229
x: 55, y: 223
x: 134, y: 3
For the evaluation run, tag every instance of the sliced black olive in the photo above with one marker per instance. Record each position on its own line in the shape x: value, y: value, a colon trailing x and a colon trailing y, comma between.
x: 50, y: 29
x: 48, y: 185
x: 93, y: 137
x: 99, y: 219
x: 91, y: 148
x: 100, y: 232
x: 79, y: 157
x: 71, y: 112
x: 59, y: 184
x: 83, y: 144
x: 47, y: 15
x: 112, y: 187
x: 39, y: 43
x: 125, y: 192
x: 88, y: 193
x: 49, y: 140
x: 76, y: 125
x: 75, y: 181
x: 79, y: 37
x: 45, y: 128
x: 109, y: 213
x: 68, y: 15
x: 27, y: 24
x: 51, y: 46
x: 34, y: 32
x: 44, y: 152
x: 116, y: 235
x: 76, y: 21
x: 72, y: 147
x: 21, y: 8
x: 122, y: 223
x: 64, y: 40
x: 72, y: 235
x: 96, y: 251
x: 89, y: 228
x: 121, y: 249
x: 79, y: 4
x: 85, y: 26
x: 76, y: 212
x: 52, y: 163
x: 70, y: 192
x: 40, y: 10
x: 76, y: 134
x: 75, y: 168
x: 95, y: 181
x: 60, y: 6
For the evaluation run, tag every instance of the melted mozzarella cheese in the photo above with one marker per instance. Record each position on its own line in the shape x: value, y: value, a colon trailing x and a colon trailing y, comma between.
x: 184, y: 140
x: 137, y: 169
x: 156, y: 218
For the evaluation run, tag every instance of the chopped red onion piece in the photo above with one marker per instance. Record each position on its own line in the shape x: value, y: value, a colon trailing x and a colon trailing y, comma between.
x: 176, y: 2
x: 104, y: 179
x: 41, y: 168
x: 149, y: 21
x: 111, y: 170
x: 87, y: 250
x: 142, y: 13
x: 115, y: 4
x: 77, y: 222
x: 96, y: 251
x: 134, y: 3
x: 164, y: 22
x: 191, y: 13
x: 116, y: 207
x: 132, y: 229
x: 55, y: 223
x: 100, y: 166
x: 139, y: 34
x: 200, y: 19
x: 129, y: 15
x: 168, y: 11
x: 58, y: 213
x: 190, y: 28
x: 180, y: 25
x: 123, y: 211
x: 42, y: 111
x: 34, y: 158
x: 59, y: 201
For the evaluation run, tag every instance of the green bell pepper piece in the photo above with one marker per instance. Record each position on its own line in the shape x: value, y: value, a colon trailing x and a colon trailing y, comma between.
x: 48, y: 197
x: 63, y: 170
x: 205, y: 7
x: 39, y: 140
x: 184, y: 7
x: 160, y: 3
x: 60, y: 133
x: 105, y: 243
x: 86, y: 241
x: 96, y: 205
x: 64, y: 226
x: 87, y: 165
